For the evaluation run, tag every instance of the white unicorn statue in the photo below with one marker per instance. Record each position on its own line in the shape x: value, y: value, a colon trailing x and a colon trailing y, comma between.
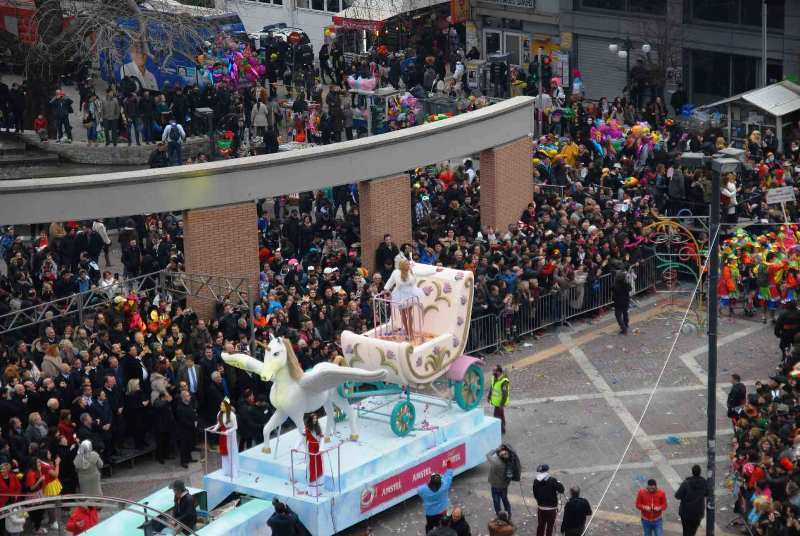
x: 294, y: 392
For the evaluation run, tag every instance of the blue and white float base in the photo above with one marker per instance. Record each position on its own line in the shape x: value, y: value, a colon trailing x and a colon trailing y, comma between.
x: 366, y: 476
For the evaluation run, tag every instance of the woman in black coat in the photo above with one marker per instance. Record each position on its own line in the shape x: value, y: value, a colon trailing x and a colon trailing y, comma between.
x: 136, y: 406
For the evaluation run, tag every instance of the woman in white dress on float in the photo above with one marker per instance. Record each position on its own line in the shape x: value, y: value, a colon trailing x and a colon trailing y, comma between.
x: 404, y: 292
x: 228, y: 443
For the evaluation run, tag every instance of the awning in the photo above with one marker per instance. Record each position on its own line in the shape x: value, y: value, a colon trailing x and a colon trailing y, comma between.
x: 777, y: 99
x: 372, y: 14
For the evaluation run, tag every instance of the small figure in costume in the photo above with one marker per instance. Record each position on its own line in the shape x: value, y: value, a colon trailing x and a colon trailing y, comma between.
x: 727, y: 284
x: 312, y: 436
x: 228, y: 443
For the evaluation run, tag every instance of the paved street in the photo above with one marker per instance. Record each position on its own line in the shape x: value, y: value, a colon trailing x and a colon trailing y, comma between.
x: 577, y: 394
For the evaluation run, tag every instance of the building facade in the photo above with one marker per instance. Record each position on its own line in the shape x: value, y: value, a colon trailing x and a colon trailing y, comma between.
x: 312, y: 16
x: 712, y: 47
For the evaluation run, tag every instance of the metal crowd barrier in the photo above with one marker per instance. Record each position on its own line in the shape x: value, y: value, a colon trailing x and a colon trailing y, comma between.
x: 488, y: 332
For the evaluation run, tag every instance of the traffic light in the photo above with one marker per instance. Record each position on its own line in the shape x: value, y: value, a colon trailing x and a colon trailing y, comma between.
x: 547, y: 69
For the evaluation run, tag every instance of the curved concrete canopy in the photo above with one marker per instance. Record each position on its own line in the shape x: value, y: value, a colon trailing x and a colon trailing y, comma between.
x: 245, y: 179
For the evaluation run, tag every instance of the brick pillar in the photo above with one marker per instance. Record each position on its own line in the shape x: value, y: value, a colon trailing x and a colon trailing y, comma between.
x: 221, y: 241
x: 385, y: 207
x: 506, y: 183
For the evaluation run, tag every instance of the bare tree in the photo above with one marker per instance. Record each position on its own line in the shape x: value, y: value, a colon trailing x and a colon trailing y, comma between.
x: 72, y: 32
x: 665, y: 37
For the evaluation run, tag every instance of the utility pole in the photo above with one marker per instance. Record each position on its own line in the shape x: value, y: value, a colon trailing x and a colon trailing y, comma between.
x: 713, y: 277
x: 539, y: 97
x: 764, y: 43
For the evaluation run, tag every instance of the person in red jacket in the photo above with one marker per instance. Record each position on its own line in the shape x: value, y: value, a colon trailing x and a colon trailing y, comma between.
x: 10, y: 486
x: 40, y: 126
x: 82, y: 519
x: 652, y: 502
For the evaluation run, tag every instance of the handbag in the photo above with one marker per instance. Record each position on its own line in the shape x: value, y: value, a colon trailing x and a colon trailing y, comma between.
x: 53, y: 488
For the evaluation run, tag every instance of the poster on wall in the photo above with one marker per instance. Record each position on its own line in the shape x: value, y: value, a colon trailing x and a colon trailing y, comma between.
x: 459, y: 11
x: 471, y: 37
x: 560, y: 66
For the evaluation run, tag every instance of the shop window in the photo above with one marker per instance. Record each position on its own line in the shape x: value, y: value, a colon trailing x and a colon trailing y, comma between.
x: 332, y: 5
x: 653, y: 7
x: 492, y: 42
x: 710, y: 76
x: 318, y: 5
x: 744, y: 12
x: 774, y: 72
x: 302, y: 4
x: 513, y: 42
x: 715, y: 10
x: 617, y: 5
x: 745, y: 74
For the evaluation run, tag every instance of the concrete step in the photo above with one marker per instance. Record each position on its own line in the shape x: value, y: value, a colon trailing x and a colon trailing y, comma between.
x: 27, y: 158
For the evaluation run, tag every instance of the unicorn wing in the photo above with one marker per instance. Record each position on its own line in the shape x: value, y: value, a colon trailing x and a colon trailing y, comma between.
x: 244, y: 362
x: 324, y: 376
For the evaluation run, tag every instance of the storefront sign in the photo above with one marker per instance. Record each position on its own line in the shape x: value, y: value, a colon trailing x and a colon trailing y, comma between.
x: 517, y: 3
x: 358, y: 24
x: 471, y: 32
x: 566, y: 41
x: 410, y: 479
x: 459, y: 11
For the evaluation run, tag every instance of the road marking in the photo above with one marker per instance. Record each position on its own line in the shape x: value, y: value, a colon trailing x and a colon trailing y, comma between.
x: 689, y: 359
x: 627, y: 466
x: 593, y: 334
x: 622, y: 412
x: 591, y: 396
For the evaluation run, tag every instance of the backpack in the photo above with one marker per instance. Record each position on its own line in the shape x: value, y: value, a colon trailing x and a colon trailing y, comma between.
x: 174, y: 134
x: 762, y: 275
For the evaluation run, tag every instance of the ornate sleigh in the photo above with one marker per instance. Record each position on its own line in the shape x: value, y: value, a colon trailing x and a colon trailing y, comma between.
x: 433, y: 357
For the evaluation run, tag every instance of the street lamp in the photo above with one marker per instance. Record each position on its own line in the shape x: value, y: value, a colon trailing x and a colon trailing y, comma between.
x: 623, y: 51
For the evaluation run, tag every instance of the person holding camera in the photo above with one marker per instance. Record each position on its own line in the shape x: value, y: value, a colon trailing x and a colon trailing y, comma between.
x: 500, y: 475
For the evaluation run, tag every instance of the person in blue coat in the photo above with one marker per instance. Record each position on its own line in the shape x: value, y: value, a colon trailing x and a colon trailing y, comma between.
x: 435, y: 498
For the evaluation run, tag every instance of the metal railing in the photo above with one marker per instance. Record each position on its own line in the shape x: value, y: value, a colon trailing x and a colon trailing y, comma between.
x: 488, y: 332
x: 148, y: 513
x: 178, y: 285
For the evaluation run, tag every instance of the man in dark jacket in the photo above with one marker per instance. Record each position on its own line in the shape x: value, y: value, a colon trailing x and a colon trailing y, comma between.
x: 787, y: 325
x: 185, y: 510
x: 284, y: 522
x: 386, y: 253
x: 133, y: 117
x: 147, y: 109
x: 62, y: 107
x: 692, y: 493
x: 622, y: 300
x: 736, y: 397
x: 576, y: 511
x: 185, y: 427
x: 545, y: 491
x: 159, y: 157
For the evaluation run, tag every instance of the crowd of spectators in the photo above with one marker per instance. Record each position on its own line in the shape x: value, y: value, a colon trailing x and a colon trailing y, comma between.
x: 765, y: 450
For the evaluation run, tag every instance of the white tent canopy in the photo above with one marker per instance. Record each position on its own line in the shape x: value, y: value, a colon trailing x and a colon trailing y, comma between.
x: 777, y: 100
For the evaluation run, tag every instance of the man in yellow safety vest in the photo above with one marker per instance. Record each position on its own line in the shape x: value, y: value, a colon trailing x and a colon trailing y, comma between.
x: 498, y: 395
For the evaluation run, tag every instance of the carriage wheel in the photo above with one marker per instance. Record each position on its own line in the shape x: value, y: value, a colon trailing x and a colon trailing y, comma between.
x: 469, y: 391
x: 403, y: 417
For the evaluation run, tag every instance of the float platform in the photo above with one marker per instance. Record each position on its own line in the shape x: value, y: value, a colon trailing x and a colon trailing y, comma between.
x: 367, y: 476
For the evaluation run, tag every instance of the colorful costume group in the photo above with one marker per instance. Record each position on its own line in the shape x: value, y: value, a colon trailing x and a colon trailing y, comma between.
x: 763, y: 268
